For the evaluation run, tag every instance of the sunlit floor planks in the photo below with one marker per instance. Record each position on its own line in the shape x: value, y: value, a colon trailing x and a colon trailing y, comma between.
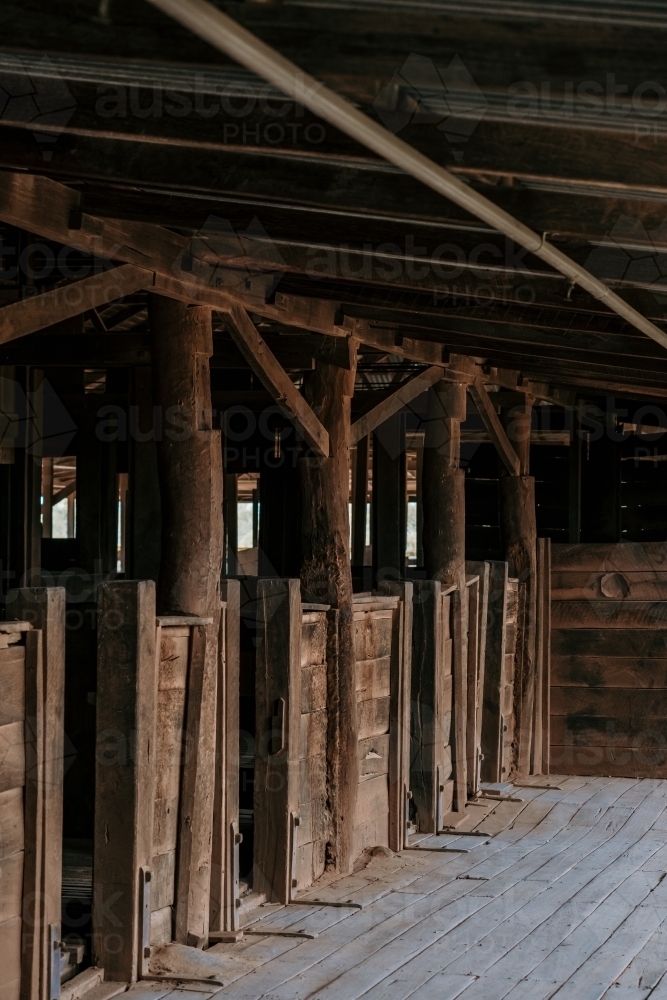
x: 566, y: 899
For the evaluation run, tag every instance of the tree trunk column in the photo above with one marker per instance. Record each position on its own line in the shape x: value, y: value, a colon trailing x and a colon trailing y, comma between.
x: 326, y: 576
x: 519, y: 533
x: 444, y: 548
x: 443, y: 485
x: 189, y: 459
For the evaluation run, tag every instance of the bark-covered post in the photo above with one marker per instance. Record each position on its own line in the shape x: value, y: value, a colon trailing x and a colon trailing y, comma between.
x: 326, y: 576
x: 189, y: 459
x: 443, y: 485
x: 519, y: 532
x: 443, y: 539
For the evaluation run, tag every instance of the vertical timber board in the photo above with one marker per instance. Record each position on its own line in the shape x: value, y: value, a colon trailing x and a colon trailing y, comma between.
x: 507, y: 699
x: 193, y: 853
x: 426, y: 647
x: 124, y: 772
x: 44, y: 608
x: 278, y: 719
x: 33, y: 953
x: 313, y: 831
x: 399, y: 716
x: 19, y: 668
x: 491, y: 741
x: 545, y: 638
x: 226, y: 801
x: 172, y: 648
x: 473, y: 633
x: 460, y: 696
x: 476, y: 683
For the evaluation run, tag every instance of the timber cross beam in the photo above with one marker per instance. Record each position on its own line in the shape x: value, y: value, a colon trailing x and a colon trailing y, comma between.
x: 275, y: 380
x: 493, y: 425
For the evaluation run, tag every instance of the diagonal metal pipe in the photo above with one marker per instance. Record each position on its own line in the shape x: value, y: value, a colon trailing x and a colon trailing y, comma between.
x: 226, y: 35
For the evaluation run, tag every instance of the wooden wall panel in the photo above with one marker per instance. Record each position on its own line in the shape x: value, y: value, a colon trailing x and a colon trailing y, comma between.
x: 609, y: 660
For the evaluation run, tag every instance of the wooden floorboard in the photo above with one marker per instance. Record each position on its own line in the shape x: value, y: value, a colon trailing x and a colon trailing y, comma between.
x: 565, y: 898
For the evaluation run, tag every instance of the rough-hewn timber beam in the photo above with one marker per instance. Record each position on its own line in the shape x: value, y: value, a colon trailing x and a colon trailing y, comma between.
x: 30, y: 315
x: 276, y: 380
x: 495, y: 428
x: 405, y: 393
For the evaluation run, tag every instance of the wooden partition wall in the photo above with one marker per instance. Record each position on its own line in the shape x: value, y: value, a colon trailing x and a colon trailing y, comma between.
x: 449, y: 647
x: 32, y: 668
x: 291, y: 818
x: 609, y: 660
x: 497, y: 736
x: 165, y: 814
x: 383, y: 650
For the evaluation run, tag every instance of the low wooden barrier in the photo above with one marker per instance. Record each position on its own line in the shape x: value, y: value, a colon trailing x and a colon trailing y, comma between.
x: 165, y: 814
x: 497, y: 737
x: 383, y: 649
x: 291, y: 819
x: 447, y: 680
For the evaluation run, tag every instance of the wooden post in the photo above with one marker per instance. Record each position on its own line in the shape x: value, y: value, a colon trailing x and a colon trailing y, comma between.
x: 519, y: 532
x: 540, y: 751
x: 189, y: 459
x: 193, y: 849
x: 326, y: 577
x: 278, y: 714
x: 491, y: 735
x: 224, y: 891
x: 444, y: 544
x: 44, y: 608
x: 389, y: 515
x: 124, y: 771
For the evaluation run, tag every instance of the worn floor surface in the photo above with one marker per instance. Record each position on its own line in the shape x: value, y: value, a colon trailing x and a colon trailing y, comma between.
x: 564, y: 899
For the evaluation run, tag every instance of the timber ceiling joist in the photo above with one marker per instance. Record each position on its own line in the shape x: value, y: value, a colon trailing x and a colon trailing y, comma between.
x: 590, y: 346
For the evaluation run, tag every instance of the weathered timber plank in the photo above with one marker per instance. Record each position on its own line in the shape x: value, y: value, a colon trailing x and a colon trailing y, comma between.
x: 639, y: 704
x: 609, y: 642
x: 373, y: 678
x: 278, y: 722
x: 45, y: 609
x: 124, y: 784
x: 648, y: 734
x: 11, y: 881
x: 374, y: 756
x: 12, y: 825
x: 617, y: 762
x: 193, y: 868
x: 10, y: 949
x: 373, y: 717
x: 608, y: 672
x: 12, y: 756
x: 609, y: 614
x: 613, y: 557
x: 630, y: 585
x: 12, y: 680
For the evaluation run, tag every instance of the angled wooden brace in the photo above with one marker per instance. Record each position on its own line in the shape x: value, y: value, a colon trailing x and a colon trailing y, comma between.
x: 493, y: 425
x: 29, y: 315
x: 405, y: 393
x: 275, y: 380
